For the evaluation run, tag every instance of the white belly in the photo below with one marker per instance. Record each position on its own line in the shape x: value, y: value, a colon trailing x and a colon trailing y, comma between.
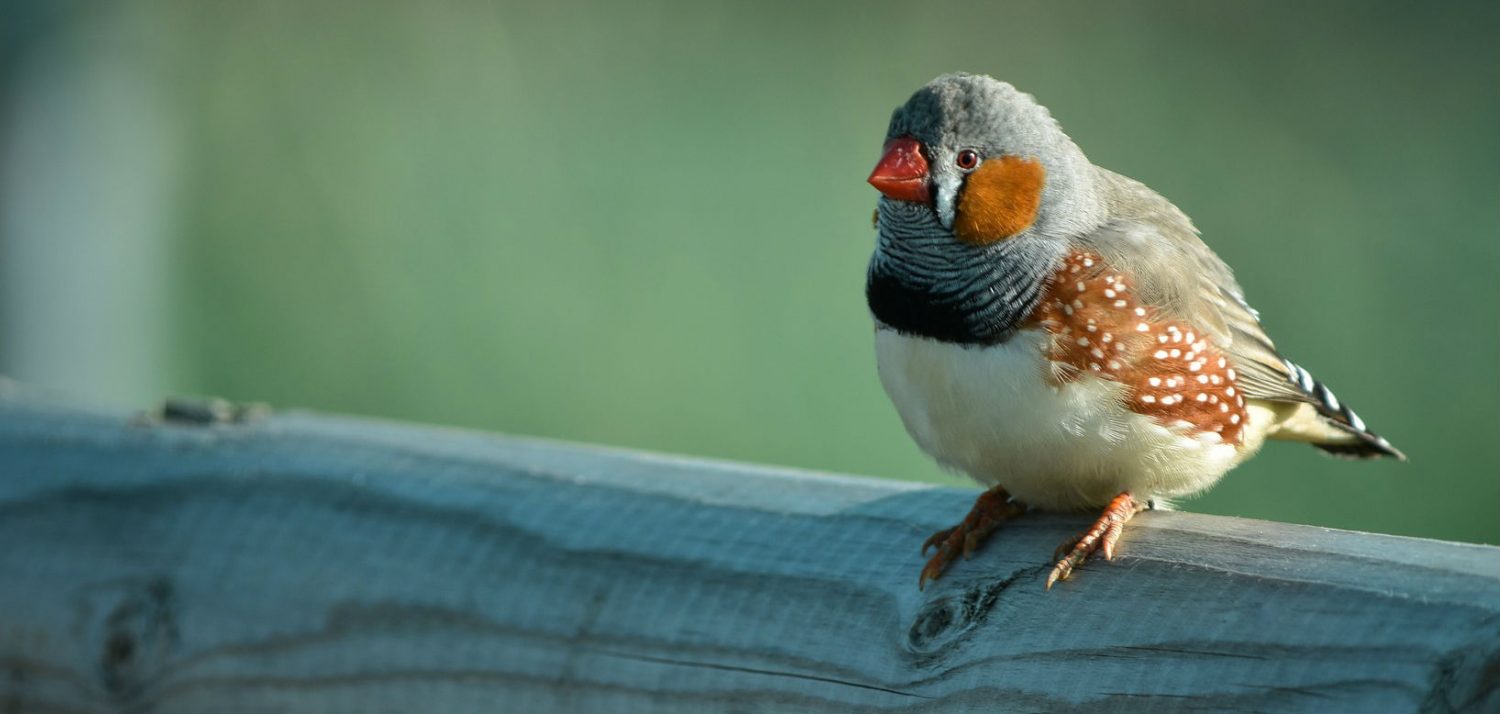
x: 991, y: 413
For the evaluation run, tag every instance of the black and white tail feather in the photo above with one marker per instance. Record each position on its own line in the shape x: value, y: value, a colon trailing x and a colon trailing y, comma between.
x: 1367, y: 444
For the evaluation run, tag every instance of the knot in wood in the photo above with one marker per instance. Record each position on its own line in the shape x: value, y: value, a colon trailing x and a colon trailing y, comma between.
x: 133, y: 628
x: 948, y: 619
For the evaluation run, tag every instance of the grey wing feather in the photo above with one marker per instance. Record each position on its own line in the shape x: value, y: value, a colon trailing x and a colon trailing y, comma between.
x: 1153, y: 241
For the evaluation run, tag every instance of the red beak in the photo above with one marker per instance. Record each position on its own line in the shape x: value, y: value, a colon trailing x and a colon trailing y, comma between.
x: 902, y: 171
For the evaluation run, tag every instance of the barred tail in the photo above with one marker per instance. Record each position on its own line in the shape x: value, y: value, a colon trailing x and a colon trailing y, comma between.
x: 1364, y: 444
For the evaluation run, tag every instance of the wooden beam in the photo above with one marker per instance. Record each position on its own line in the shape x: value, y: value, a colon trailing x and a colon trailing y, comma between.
x: 305, y: 563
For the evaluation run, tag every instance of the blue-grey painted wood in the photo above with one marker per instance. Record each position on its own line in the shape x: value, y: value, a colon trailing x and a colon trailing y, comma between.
x: 305, y: 563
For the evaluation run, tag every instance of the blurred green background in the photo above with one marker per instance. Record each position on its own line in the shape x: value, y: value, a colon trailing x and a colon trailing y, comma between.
x: 646, y: 223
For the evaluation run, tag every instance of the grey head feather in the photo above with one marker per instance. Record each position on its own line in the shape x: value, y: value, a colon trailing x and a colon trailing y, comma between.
x: 923, y: 279
x: 971, y: 111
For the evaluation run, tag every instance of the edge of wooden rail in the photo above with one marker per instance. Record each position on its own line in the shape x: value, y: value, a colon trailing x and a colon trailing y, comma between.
x: 586, y: 578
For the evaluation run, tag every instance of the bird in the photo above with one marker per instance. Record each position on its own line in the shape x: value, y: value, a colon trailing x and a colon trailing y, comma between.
x: 1061, y: 333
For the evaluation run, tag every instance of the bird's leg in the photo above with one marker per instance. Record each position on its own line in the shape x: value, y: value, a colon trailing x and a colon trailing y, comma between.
x: 1101, y: 536
x: 992, y: 508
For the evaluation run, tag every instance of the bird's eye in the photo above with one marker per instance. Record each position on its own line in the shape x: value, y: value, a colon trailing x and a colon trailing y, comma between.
x: 967, y: 159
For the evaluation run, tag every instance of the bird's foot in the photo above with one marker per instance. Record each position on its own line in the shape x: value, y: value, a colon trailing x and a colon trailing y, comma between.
x: 992, y: 508
x: 1101, y: 537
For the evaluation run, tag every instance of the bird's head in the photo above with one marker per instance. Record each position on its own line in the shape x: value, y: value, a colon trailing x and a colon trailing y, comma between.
x: 988, y: 161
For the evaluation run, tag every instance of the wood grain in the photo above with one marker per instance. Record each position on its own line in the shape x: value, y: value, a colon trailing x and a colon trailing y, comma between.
x: 305, y: 563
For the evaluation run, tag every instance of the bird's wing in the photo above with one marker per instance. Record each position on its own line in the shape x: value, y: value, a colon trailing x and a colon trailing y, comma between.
x: 1151, y: 240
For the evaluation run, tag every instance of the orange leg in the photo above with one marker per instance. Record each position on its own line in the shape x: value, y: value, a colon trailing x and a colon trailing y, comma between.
x: 1101, y: 536
x: 992, y: 508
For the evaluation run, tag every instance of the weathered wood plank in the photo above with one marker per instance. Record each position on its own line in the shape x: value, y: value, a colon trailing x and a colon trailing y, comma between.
x: 312, y: 564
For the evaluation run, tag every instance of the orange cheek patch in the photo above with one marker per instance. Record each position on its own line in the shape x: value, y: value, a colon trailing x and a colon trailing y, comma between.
x: 999, y: 200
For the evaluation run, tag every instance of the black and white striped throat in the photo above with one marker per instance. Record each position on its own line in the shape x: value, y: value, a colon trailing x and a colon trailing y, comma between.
x: 924, y: 281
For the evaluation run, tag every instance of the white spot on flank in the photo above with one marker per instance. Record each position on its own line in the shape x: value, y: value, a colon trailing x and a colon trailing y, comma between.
x: 1097, y: 353
x: 1088, y: 262
x: 1229, y: 391
x: 1140, y: 312
x: 1160, y: 354
x: 1175, y: 353
x: 1109, y: 293
x: 1120, y: 303
x: 1222, y: 363
x: 1194, y: 367
x: 1083, y: 342
x: 1143, y: 327
x: 1148, y: 399
x: 1078, y: 304
x: 1162, y: 339
x: 1203, y: 379
x: 1230, y: 373
x: 1154, y: 381
x: 1234, y: 418
x: 1114, y: 364
x: 1107, y: 337
x: 1067, y: 309
x: 1081, y: 287
x: 1201, y: 397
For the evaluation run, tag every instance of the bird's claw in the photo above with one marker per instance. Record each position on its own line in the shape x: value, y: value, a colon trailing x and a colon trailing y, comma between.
x: 936, y: 539
x: 1102, y: 536
x: 992, y: 508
